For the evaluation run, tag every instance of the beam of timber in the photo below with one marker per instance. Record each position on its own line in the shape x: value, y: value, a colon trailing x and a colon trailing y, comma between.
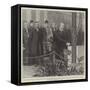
x: 74, y: 37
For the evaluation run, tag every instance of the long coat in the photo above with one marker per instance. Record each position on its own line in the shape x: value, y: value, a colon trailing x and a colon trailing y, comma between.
x: 25, y: 42
x: 33, y: 41
x: 59, y: 41
x: 47, y: 35
x: 40, y: 41
x: 25, y: 38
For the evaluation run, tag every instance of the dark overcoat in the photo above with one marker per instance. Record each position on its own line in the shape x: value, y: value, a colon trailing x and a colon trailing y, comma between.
x: 59, y: 41
x: 33, y: 42
x: 25, y: 38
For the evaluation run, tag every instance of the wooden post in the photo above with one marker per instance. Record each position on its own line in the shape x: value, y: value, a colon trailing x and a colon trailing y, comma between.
x: 74, y: 37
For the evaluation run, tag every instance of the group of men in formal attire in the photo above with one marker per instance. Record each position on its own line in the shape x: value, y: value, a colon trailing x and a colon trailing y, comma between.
x: 40, y: 40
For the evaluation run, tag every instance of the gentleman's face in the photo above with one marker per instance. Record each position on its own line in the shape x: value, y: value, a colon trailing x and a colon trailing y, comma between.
x: 25, y: 25
x: 53, y: 25
x: 46, y: 25
x: 36, y: 24
x: 61, y: 28
x: 31, y: 24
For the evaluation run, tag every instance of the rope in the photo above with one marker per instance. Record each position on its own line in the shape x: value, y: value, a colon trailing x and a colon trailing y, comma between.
x: 41, y: 56
x: 45, y: 55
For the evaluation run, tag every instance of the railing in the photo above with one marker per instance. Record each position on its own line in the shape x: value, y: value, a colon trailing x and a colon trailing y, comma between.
x: 42, y: 58
x: 51, y: 65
